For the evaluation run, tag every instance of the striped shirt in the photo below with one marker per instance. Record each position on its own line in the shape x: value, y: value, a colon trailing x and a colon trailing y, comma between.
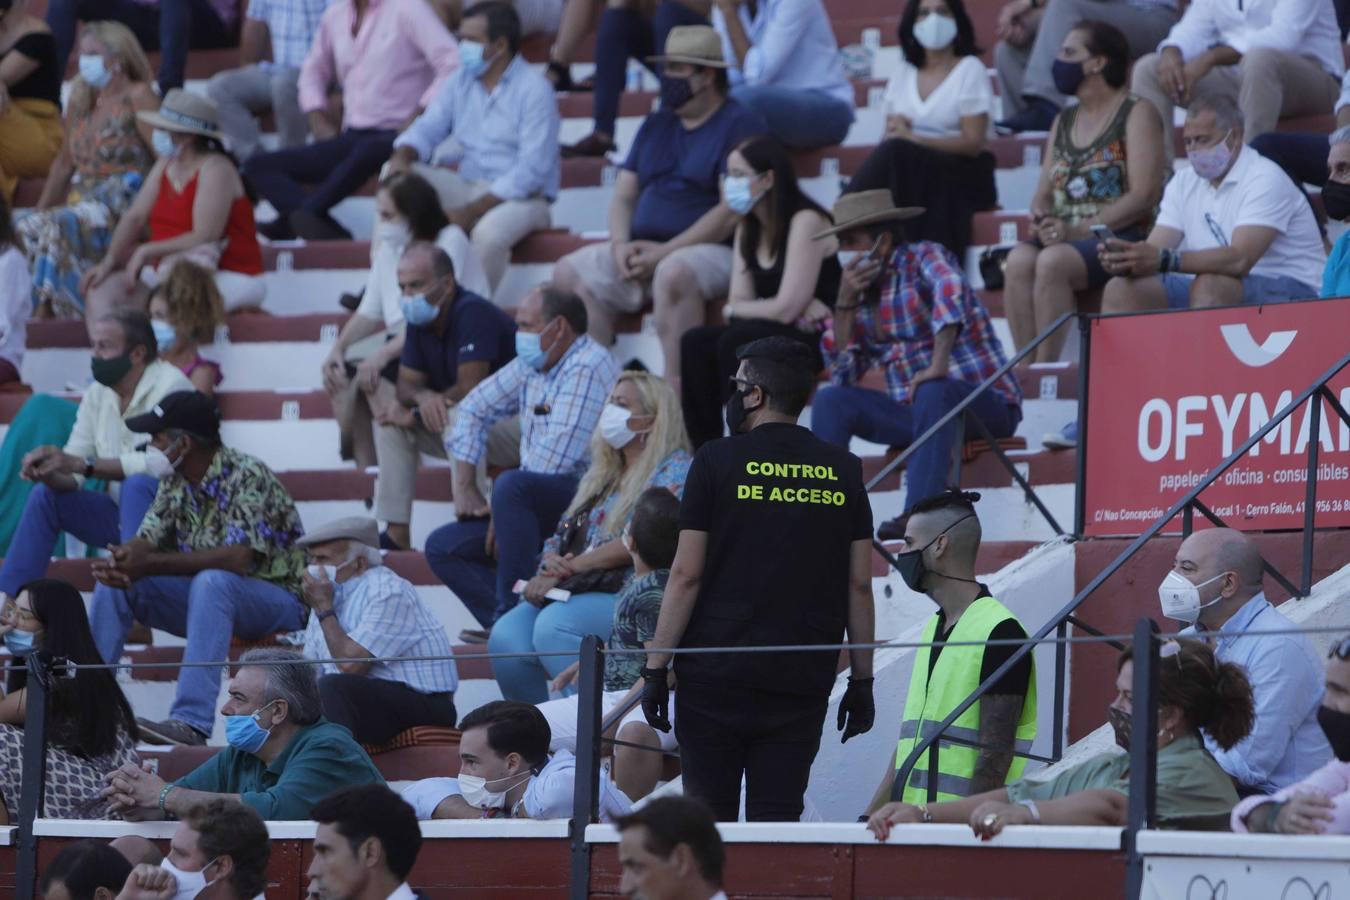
x: 291, y: 24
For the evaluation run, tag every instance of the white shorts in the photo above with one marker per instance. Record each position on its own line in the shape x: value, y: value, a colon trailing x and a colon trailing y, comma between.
x: 562, y: 720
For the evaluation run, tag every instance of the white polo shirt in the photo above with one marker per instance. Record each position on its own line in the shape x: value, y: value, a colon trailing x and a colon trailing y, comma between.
x: 1254, y: 192
x: 548, y: 796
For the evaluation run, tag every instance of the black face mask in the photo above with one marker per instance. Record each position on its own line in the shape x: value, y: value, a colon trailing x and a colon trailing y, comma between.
x: 736, y: 411
x: 1120, y: 724
x: 912, y: 568
x: 108, y: 372
x: 675, y: 92
x: 1336, y: 726
x: 1336, y: 200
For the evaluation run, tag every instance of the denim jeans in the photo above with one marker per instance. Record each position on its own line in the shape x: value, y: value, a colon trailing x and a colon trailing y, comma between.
x: 526, y: 507
x: 1302, y: 156
x: 556, y: 628
x: 623, y: 34
x: 801, y: 119
x: 839, y: 413
x: 209, y: 609
x: 92, y: 516
x: 1257, y: 290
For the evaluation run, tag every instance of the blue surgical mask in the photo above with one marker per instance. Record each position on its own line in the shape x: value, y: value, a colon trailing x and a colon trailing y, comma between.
x: 736, y: 189
x: 243, y: 733
x: 418, y: 311
x: 471, y: 58
x: 165, y: 334
x: 20, y: 643
x: 530, y: 351
x: 94, y: 70
x: 163, y: 143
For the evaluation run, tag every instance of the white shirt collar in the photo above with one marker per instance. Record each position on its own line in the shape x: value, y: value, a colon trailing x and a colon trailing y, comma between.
x: 403, y: 892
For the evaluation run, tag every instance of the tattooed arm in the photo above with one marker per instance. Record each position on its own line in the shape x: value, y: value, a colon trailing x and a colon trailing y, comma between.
x: 999, y: 714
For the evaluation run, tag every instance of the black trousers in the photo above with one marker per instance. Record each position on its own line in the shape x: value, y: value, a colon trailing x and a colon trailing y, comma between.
x: 770, y: 737
x: 374, y: 710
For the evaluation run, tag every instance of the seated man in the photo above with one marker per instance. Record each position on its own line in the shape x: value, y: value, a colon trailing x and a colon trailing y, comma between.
x: 452, y: 341
x: 220, y: 843
x: 668, y: 228
x: 260, y: 85
x: 671, y: 848
x: 366, y: 844
x: 360, y: 608
x: 908, y: 308
x: 505, y: 771
x: 504, y: 117
x: 1231, y: 229
x: 390, y: 58
x: 282, y: 758
x: 785, y: 66
x: 85, y: 870
x: 129, y: 379
x: 558, y: 384
x: 1216, y: 586
x: 1274, y: 58
x: 1336, y: 201
x: 1304, y: 156
x: 172, y: 27
x: 214, y: 557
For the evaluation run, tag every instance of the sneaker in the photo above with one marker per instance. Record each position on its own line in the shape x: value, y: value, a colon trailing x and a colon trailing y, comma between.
x: 1038, y: 116
x: 1064, y: 439
x: 591, y: 145
x: 279, y: 229
x: 171, y: 732
x: 473, y: 636
x: 388, y: 543
x: 893, y: 529
x: 314, y: 226
x: 350, y: 301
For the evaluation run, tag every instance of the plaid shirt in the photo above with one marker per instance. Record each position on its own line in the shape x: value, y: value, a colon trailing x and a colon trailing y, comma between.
x: 382, y: 612
x: 923, y: 290
x: 291, y: 24
x: 558, y: 409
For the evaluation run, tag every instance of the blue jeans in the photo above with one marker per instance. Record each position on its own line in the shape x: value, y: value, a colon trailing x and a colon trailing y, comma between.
x: 1256, y: 290
x: 526, y: 507
x: 623, y: 34
x: 801, y: 119
x: 174, y: 26
x: 91, y: 516
x: 208, y: 608
x: 839, y: 413
x: 557, y: 628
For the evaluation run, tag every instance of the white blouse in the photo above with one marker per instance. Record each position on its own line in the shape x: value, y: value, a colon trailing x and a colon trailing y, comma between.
x: 964, y: 92
x: 381, y: 300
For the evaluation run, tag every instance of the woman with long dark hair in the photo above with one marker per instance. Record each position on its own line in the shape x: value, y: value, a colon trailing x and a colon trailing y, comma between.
x: 783, y: 281
x: 90, y: 727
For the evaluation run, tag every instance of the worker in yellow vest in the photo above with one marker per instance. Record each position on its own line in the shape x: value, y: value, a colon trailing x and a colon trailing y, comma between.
x: 942, y: 540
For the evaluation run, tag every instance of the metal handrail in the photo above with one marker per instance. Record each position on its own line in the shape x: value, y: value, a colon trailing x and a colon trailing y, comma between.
x: 1319, y: 390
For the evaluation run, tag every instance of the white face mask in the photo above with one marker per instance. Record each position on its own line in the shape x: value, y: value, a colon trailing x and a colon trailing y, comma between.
x: 158, y: 464
x: 393, y: 234
x: 474, y: 790
x: 846, y: 257
x: 329, y: 573
x: 935, y: 31
x: 614, y: 426
x: 1181, y: 600
x: 189, y: 884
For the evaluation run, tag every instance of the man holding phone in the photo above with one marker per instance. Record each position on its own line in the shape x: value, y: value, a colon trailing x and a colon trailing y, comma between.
x: 907, y: 309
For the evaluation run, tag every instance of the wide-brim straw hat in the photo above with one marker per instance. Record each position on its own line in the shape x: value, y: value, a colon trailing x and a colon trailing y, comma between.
x: 186, y: 113
x: 866, y: 207
x: 697, y: 45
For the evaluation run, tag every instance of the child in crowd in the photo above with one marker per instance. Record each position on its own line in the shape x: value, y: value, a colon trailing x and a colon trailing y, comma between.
x: 185, y: 310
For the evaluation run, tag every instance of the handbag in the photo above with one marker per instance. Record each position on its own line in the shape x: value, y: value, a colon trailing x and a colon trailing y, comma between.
x: 572, y: 539
x: 993, y: 260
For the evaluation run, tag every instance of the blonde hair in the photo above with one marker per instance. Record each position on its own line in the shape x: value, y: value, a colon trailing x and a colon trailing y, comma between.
x: 195, y: 306
x: 607, y: 476
x: 122, y: 44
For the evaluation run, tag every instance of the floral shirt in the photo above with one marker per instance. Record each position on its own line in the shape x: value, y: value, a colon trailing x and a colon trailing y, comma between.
x: 1084, y: 180
x: 669, y: 474
x: 238, y: 502
x: 636, y: 610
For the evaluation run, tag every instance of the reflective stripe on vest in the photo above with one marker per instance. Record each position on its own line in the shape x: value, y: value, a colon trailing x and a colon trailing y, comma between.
x: 955, y: 677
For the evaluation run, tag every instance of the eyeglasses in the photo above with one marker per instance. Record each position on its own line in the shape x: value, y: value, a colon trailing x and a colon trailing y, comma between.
x: 1342, y: 650
x: 13, y: 614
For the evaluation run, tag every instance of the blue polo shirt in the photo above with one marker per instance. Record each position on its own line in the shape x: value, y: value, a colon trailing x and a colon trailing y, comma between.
x: 679, y: 171
x: 475, y: 331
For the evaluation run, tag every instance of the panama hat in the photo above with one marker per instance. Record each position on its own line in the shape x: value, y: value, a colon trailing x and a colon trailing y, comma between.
x: 185, y: 112
x: 865, y: 207
x: 697, y: 45
x: 362, y: 529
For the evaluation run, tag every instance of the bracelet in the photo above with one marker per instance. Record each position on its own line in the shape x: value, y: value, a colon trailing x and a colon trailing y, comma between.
x: 1035, y: 813
x: 923, y: 811
x: 164, y: 795
x: 1273, y: 818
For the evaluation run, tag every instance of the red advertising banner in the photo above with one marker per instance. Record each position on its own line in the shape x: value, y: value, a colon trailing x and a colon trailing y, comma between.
x: 1170, y: 396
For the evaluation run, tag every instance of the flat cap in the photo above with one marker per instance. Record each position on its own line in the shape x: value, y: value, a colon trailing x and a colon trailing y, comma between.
x: 362, y: 529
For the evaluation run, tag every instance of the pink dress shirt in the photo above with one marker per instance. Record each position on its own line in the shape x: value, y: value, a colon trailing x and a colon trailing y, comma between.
x: 395, y: 63
x: 1332, y: 781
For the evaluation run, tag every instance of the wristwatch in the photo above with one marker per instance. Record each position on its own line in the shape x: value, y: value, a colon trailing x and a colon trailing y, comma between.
x: 326, y: 614
x: 89, y: 466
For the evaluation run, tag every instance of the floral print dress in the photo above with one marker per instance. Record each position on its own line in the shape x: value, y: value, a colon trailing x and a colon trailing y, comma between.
x: 1083, y: 180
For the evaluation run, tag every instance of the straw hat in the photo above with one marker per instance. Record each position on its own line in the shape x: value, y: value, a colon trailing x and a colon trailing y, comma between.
x: 865, y: 207
x: 186, y: 113
x: 697, y: 45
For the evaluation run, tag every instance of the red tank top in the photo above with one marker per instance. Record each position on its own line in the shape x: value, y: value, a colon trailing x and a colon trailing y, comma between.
x: 172, y: 216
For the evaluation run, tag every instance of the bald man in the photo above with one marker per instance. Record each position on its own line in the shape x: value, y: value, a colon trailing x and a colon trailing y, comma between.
x: 1217, y: 584
x: 942, y: 540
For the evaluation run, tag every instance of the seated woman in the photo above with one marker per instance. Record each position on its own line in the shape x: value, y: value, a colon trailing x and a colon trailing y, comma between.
x: 98, y: 171
x: 639, y: 443
x: 14, y: 304
x: 185, y: 311
x: 30, y: 97
x: 783, y: 281
x: 195, y: 204
x: 360, y: 372
x: 938, y: 103
x: 90, y: 728
x: 1103, y: 165
x: 1196, y: 693
x: 1320, y: 803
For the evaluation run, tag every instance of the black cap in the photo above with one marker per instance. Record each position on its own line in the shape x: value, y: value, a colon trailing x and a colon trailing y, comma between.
x: 190, y: 411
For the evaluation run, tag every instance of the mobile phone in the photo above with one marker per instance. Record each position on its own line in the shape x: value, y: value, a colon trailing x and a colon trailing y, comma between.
x: 1102, y: 233
x: 876, y: 248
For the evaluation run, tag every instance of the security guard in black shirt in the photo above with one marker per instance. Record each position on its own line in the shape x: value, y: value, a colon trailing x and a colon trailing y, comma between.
x: 775, y: 549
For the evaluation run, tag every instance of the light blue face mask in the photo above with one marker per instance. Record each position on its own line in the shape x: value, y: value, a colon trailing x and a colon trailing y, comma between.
x: 243, y: 733
x: 736, y: 189
x: 165, y: 334
x: 20, y: 643
x: 417, y: 310
x: 94, y: 70
x: 530, y: 351
x: 471, y: 58
x: 163, y: 143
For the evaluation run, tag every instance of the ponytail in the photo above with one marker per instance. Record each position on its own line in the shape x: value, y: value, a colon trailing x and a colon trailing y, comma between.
x: 1214, y: 696
x: 1233, y: 710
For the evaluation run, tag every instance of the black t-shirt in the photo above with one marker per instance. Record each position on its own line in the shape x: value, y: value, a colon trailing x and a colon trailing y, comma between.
x: 44, y: 82
x: 1014, y: 681
x: 781, y: 509
x: 475, y: 331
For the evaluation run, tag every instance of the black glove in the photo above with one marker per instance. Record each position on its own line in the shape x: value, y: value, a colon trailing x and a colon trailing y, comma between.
x: 656, y: 698
x: 857, y: 712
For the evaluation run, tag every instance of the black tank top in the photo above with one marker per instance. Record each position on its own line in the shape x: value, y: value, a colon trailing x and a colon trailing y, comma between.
x: 767, y: 281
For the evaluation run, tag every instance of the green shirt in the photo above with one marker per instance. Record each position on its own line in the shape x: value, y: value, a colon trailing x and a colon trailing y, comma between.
x: 318, y: 761
x: 1193, y: 790
x: 239, y: 502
